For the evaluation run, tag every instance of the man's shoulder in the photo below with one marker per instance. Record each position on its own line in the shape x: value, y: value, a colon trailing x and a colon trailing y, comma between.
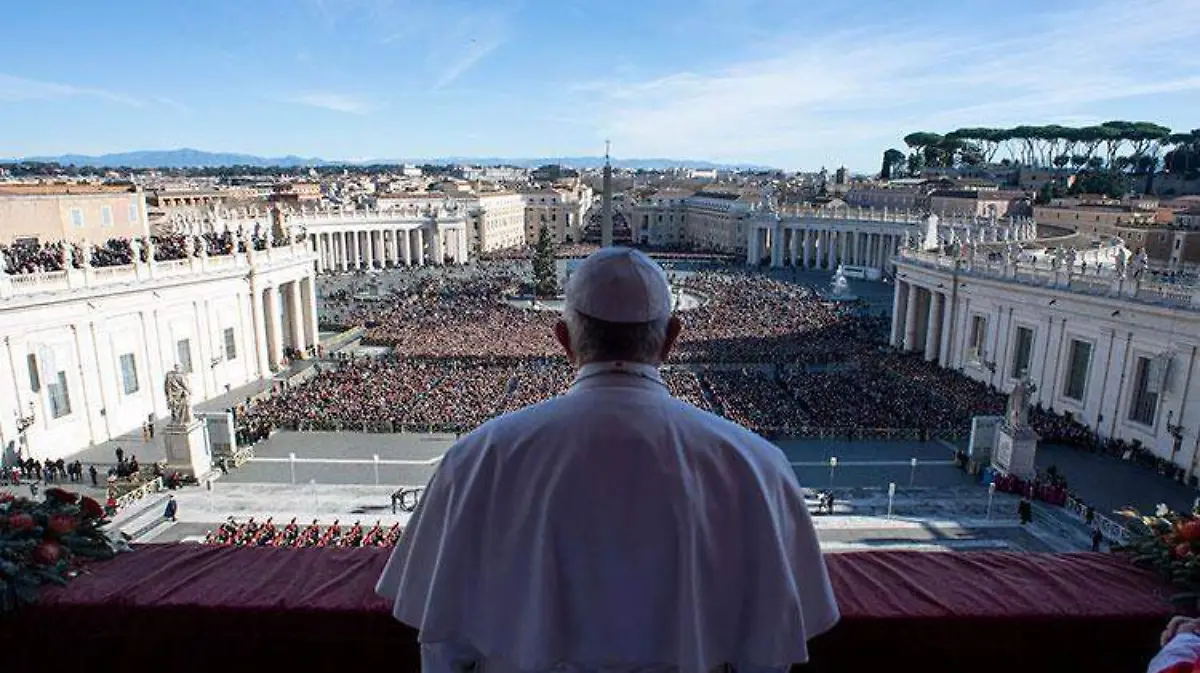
x: 700, y: 427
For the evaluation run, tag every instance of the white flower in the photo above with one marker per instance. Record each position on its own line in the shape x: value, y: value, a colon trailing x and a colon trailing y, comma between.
x: 1162, y: 510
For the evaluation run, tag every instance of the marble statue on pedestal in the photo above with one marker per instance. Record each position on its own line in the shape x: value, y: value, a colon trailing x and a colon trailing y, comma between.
x: 179, y: 396
x: 1140, y: 262
x: 1016, y: 442
x: 1016, y: 412
x: 930, y: 240
x: 1122, y: 261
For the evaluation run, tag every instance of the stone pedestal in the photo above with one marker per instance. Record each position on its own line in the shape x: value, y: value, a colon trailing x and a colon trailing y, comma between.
x: 1015, y: 451
x: 187, y: 449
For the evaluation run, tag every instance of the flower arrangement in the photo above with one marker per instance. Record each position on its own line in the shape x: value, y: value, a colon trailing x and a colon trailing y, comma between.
x: 44, y: 542
x: 1169, y: 543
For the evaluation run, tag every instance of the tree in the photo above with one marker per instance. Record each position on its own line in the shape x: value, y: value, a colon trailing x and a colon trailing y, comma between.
x: 1110, y: 183
x: 893, y: 162
x: 545, y: 273
x: 916, y: 164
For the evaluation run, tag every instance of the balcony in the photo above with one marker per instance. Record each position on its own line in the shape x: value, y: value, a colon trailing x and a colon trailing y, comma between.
x: 1105, y: 281
x: 22, y: 286
x: 192, y: 607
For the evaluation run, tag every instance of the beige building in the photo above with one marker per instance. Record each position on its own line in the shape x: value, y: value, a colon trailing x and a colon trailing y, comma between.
x: 899, y: 198
x: 76, y: 213
x: 297, y: 192
x: 708, y: 220
x: 497, y: 221
x: 1092, y: 217
x: 975, y: 203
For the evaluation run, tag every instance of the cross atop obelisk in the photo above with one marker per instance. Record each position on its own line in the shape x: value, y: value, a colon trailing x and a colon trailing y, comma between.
x: 606, y: 213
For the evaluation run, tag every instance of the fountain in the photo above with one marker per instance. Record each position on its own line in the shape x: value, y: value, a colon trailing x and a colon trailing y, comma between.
x: 839, y: 287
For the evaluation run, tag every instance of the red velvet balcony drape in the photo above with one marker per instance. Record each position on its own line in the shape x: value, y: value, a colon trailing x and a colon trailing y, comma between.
x: 196, y: 608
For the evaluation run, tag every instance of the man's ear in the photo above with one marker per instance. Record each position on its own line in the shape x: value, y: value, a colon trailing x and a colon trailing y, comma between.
x: 564, y: 339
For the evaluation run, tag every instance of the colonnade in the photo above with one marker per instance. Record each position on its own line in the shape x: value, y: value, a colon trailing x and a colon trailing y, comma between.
x: 922, y: 320
x: 376, y: 247
x: 285, y: 316
x: 821, y: 248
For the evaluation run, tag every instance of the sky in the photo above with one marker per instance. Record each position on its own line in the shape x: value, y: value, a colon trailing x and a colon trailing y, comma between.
x: 794, y: 84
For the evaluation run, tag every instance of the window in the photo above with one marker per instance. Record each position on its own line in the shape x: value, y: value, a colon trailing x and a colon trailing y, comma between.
x: 1079, y: 360
x: 77, y: 218
x: 59, y: 396
x: 129, y: 378
x: 1144, y: 401
x: 133, y: 213
x: 35, y: 379
x: 1022, y: 353
x: 183, y: 350
x: 230, y: 344
x: 978, y: 335
x: 106, y: 218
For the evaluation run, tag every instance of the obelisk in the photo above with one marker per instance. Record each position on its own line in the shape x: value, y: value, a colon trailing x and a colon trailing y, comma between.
x: 606, y: 213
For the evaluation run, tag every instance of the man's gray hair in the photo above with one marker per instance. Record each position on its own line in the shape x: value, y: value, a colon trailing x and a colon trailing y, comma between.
x: 596, y: 340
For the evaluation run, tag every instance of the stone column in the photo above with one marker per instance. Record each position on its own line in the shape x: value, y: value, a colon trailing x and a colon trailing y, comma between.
x: 899, y: 306
x: 464, y: 248
x: 806, y: 243
x: 396, y: 259
x: 258, y: 313
x: 910, y: 319
x: 776, y: 246
x: 274, y: 328
x: 435, y: 247
x: 405, y: 246
x: 933, y: 327
x: 312, y: 334
x: 795, y: 247
x: 947, y: 336
x: 831, y: 257
x: 296, y: 316
x: 419, y: 239
x: 355, y: 250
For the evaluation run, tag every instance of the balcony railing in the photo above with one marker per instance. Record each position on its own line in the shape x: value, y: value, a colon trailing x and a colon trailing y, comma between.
x: 27, y: 284
x: 314, y: 609
x: 1099, y: 279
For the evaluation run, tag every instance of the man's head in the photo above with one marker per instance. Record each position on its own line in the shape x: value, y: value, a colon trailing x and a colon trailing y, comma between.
x: 618, y: 307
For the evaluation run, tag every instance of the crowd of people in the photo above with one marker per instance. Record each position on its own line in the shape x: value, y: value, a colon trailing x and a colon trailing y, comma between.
x: 772, y: 355
x: 251, y: 533
x: 31, y: 256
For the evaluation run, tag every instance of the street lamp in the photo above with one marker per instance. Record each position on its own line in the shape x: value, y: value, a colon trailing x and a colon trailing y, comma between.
x: 832, y: 467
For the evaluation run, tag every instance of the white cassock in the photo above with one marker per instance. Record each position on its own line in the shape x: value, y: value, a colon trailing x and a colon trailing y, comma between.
x: 613, y: 528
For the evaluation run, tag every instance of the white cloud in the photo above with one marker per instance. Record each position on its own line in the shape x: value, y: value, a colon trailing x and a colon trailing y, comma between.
x: 471, y: 39
x: 872, y: 86
x: 337, y: 102
x: 15, y: 89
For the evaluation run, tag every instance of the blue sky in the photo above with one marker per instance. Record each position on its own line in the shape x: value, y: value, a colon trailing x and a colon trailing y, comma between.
x: 790, y: 83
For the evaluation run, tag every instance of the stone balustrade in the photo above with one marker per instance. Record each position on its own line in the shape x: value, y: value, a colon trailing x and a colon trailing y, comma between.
x: 1098, y: 279
x: 23, y: 285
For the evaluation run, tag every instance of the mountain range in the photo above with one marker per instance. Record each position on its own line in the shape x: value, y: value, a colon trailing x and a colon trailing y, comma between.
x: 192, y: 158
